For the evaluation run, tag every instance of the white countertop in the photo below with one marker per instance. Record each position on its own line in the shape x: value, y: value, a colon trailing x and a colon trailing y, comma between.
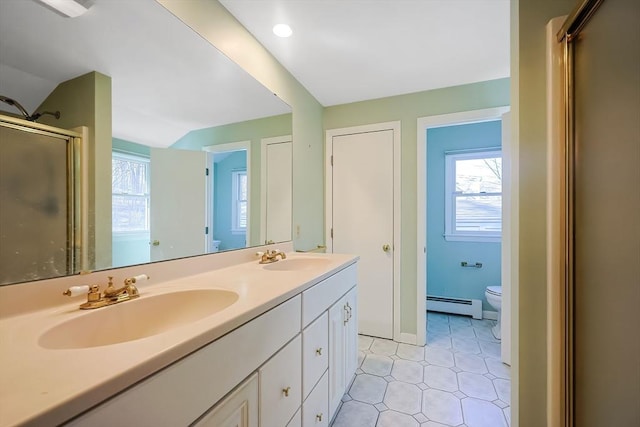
x: 43, y: 386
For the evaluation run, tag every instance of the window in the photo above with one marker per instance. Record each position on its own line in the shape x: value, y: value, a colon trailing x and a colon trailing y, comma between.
x: 239, y: 201
x: 130, y: 193
x: 473, y: 196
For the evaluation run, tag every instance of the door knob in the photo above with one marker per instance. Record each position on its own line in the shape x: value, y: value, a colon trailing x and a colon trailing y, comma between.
x: 156, y: 243
x: 386, y: 248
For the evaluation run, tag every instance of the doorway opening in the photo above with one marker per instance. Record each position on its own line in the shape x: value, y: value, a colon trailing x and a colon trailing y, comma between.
x: 230, y: 183
x: 459, y: 266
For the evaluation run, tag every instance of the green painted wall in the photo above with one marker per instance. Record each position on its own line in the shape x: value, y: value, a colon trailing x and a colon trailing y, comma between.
x: 86, y: 101
x: 252, y: 130
x: 407, y: 109
x: 130, y: 147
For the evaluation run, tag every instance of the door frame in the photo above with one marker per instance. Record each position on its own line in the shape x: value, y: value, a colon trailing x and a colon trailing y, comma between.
x: 264, y: 142
x: 423, y: 124
x: 376, y: 127
x: 232, y: 146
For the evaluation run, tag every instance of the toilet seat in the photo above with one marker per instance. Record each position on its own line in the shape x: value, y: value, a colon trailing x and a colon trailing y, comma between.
x: 495, y: 290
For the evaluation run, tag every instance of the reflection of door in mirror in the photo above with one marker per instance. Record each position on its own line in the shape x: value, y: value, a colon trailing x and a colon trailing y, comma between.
x: 276, y: 191
x: 179, y: 218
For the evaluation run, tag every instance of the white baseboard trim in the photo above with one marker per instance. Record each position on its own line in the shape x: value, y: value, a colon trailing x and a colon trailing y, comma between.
x: 491, y: 315
x: 407, y: 338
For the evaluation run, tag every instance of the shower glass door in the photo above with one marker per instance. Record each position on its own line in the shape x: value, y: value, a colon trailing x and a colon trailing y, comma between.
x: 34, y: 205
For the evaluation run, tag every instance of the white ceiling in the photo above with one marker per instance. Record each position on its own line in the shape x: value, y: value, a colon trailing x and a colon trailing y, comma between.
x: 166, y: 80
x: 341, y: 50
x: 352, y: 50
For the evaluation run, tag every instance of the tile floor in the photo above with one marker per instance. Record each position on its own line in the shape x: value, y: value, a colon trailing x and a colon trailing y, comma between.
x: 457, y: 379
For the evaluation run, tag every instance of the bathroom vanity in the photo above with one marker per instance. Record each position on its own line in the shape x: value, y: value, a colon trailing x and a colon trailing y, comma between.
x: 280, y: 354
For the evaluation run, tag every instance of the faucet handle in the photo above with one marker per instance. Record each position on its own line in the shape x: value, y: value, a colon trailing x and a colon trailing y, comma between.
x: 92, y: 292
x: 139, y: 277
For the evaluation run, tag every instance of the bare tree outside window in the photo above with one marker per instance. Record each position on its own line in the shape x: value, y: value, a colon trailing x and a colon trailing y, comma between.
x: 474, y: 197
x: 130, y: 193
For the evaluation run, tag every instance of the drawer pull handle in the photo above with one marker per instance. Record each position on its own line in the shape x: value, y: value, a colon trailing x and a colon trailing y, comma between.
x: 319, y: 417
x: 285, y: 391
x: 319, y: 351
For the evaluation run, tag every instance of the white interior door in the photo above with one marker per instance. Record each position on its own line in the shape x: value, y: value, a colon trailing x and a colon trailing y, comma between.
x: 277, y: 169
x: 178, y: 203
x: 362, y: 221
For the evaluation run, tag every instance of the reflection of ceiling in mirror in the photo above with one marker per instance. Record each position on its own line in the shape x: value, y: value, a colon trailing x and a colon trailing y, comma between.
x: 166, y: 80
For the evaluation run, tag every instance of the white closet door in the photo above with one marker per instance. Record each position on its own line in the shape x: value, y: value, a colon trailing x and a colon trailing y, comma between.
x: 277, y: 188
x: 362, y: 221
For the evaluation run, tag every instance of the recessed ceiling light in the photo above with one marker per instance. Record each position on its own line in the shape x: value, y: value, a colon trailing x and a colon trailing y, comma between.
x: 282, y: 30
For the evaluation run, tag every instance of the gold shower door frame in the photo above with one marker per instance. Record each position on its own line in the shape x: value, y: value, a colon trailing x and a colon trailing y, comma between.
x: 75, y: 196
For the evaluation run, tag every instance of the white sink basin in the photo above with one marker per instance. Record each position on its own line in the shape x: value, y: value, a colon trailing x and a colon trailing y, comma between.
x: 136, y: 319
x: 296, y: 264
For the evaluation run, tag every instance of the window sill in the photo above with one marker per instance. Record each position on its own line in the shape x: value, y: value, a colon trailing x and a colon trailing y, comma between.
x: 472, y: 238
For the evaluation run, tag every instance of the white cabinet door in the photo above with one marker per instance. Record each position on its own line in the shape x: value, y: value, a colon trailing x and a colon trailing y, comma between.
x: 281, y: 385
x: 315, y: 410
x: 240, y: 409
x: 343, y: 347
x: 337, y: 322
x: 351, y: 336
x: 315, y: 353
x: 296, y: 421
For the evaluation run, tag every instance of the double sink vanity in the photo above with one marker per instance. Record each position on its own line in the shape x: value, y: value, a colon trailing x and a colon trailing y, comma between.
x: 230, y: 343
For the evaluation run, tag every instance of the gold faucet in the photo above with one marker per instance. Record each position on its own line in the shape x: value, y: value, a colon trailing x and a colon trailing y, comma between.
x: 270, y: 256
x: 110, y: 296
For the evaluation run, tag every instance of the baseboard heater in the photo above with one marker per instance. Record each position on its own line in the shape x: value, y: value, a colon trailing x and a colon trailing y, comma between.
x: 468, y: 307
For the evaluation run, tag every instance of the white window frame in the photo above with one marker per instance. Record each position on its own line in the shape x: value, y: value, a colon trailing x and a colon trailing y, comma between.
x: 450, y: 233
x: 235, y: 201
x: 147, y: 196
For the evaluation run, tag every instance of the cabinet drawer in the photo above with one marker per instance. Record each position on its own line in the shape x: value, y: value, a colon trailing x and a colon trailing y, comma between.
x: 315, y: 410
x: 239, y: 409
x: 315, y: 353
x: 281, y: 385
x: 320, y: 297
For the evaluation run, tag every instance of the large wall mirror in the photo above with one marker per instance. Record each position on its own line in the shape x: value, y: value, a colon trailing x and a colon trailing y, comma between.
x: 185, y: 153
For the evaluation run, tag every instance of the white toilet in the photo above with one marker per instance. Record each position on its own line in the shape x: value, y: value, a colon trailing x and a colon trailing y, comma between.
x: 493, y: 294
